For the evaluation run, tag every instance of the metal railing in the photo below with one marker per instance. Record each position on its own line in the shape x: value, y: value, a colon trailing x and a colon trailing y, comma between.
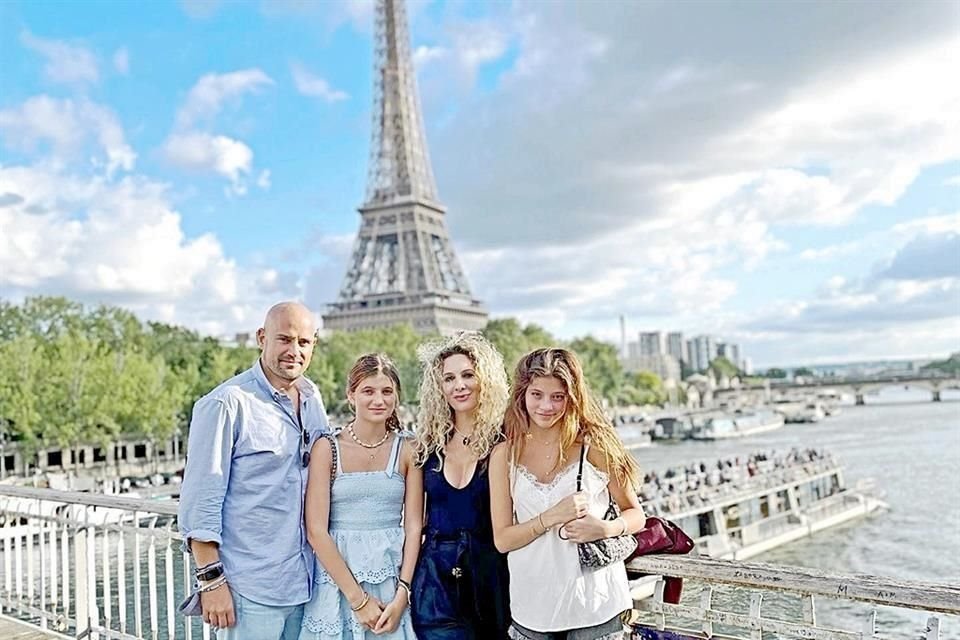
x: 730, y: 599
x: 93, y: 565
x: 89, y: 565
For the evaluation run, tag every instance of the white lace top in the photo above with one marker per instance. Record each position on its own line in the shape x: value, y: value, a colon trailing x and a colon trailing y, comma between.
x: 549, y: 591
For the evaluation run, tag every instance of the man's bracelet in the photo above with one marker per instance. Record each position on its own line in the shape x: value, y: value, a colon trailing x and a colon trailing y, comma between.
x: 213, y: 585
x: 210, y: 572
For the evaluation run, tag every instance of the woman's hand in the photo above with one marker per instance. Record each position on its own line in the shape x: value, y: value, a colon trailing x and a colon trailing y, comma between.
x: 369, y: 614
x: 570, y: 508
x: 390, y: 617
x: 588, y: 529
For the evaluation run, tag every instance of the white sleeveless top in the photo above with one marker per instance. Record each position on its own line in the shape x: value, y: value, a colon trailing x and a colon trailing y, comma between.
x: 549, y: 591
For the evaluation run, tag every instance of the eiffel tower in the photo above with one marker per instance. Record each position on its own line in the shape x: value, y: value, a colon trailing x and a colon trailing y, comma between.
x: 403, y: 268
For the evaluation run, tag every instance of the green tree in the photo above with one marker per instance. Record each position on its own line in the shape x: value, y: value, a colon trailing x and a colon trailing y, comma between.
x: 950, y: 365
x: 777, y: 374
x: 721, y: 366
x: 601, y: 366
x: 642, y: 388
x: 21, y: 413
x: 514, y: 341
x: 803, y: 371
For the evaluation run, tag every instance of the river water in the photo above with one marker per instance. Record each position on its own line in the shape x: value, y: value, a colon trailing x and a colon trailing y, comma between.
x: 911, y: 447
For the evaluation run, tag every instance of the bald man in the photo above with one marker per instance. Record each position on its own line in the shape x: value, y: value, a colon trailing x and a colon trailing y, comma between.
x: 241, y: 504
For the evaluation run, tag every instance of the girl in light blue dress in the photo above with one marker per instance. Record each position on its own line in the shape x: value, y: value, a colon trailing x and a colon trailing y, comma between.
x: 362, y: 482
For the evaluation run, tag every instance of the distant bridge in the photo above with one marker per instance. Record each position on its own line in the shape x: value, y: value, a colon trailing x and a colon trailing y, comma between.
x: 859, y: 386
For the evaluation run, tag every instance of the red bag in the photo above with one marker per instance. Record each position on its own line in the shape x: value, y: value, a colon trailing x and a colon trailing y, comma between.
x: 659, y: 535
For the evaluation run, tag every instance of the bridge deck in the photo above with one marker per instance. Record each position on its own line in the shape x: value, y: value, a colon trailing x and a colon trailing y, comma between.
x: 13, y: 630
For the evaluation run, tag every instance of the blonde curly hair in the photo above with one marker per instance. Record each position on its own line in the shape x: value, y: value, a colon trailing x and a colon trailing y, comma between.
x: 435, y: 417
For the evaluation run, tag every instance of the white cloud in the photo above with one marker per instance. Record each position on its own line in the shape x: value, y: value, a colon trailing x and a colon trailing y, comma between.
x: 121, y: 61
x: 479, y: 43
x: 207, y: 97
x: 66, y: 125
x: 423, y: 54
x: 122, y: 243
x: 263, y: 180
x: 200, y: 9
x: 66, y: 63
x: 203, y: 152
x: 309, y: 84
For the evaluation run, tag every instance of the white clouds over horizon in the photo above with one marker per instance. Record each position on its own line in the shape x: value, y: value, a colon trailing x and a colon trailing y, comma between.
x: 650, y: 160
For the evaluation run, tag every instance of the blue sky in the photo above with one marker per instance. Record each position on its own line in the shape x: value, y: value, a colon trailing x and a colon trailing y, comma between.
x: 786, y: 176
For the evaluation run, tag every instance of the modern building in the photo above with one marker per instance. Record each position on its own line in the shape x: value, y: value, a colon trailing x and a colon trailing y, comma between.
x: 403, y: 268
x: 731, y: 352
x: 665, y: 366
x: 675, y: 345
x: 701, y: 350
x: 652, y: 343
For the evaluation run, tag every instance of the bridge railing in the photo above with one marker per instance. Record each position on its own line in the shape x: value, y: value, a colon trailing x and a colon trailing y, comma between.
x: 93, y: 565
x: 732, y: 599
x: 97, y: 566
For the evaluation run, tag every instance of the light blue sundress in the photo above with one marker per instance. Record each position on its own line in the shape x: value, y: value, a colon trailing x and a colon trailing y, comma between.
x: 365, y: 512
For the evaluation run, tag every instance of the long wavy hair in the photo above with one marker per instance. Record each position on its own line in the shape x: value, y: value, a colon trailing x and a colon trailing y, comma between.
x: 435, y: 418
x: 582, y: 420
x: 371, y: 364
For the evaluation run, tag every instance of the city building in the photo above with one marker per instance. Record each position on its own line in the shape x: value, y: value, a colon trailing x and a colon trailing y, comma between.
x: 665, y: 366
x: 702, y: 350
x: 675, y: 345
x: 731, y: 352
x: 652, y: 343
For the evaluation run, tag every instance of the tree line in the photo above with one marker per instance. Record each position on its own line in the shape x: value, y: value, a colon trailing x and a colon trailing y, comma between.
x: 72, y: 374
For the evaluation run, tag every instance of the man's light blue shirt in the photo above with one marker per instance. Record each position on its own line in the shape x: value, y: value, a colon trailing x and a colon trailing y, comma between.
x: 244, y: 483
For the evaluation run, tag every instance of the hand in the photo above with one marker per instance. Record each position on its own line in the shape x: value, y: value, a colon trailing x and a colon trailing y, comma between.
x: 570, y: 508
x: 369, y: 614
x: 390, y: 618
x: 218, y: 607
x: 586, y: 529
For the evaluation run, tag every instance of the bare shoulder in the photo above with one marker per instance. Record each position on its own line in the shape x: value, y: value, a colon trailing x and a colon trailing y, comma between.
x: 322, y: 448
x: 598, y: 458
x: 500, y: 453
x: 408, y: 449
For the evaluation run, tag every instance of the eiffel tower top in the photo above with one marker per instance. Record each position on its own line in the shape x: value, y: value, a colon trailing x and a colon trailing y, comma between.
x: 399, y: 162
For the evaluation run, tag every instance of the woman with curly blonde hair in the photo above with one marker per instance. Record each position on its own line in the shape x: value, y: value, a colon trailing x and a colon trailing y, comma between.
x: 539, y: 516
x: 461, y: 581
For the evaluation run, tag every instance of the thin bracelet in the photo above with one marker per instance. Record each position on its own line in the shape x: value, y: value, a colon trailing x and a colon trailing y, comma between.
x: 624, y: 521
x: 363, y: 603
x: 403, y: 584
x: 540, y: 520
x: 219, y: 582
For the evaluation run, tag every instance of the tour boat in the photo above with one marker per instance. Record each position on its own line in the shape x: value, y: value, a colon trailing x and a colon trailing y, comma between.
x: 736, y: 511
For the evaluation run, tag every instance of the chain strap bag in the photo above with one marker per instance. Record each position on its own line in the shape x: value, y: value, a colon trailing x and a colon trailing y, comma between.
x: 605, y: 551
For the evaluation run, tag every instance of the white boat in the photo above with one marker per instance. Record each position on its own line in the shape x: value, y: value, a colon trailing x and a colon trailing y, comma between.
x: 764, y: 505
x: 635, y: 436
x: 738, y: 425
x: 756, y: 508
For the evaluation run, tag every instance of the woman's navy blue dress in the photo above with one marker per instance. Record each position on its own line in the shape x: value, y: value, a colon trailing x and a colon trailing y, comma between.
x: 461, y: 587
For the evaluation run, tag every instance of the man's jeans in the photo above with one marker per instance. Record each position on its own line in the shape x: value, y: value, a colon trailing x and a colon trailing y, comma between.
x: 262, y: 622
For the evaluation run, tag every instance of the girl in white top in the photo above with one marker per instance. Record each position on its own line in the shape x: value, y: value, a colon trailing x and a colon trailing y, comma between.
x: 533, y: 500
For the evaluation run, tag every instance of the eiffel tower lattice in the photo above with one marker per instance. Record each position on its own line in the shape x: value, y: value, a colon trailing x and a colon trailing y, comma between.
x: 403, y: 268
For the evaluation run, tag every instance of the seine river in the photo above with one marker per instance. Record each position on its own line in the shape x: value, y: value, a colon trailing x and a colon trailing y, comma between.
x: 911, y: 447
